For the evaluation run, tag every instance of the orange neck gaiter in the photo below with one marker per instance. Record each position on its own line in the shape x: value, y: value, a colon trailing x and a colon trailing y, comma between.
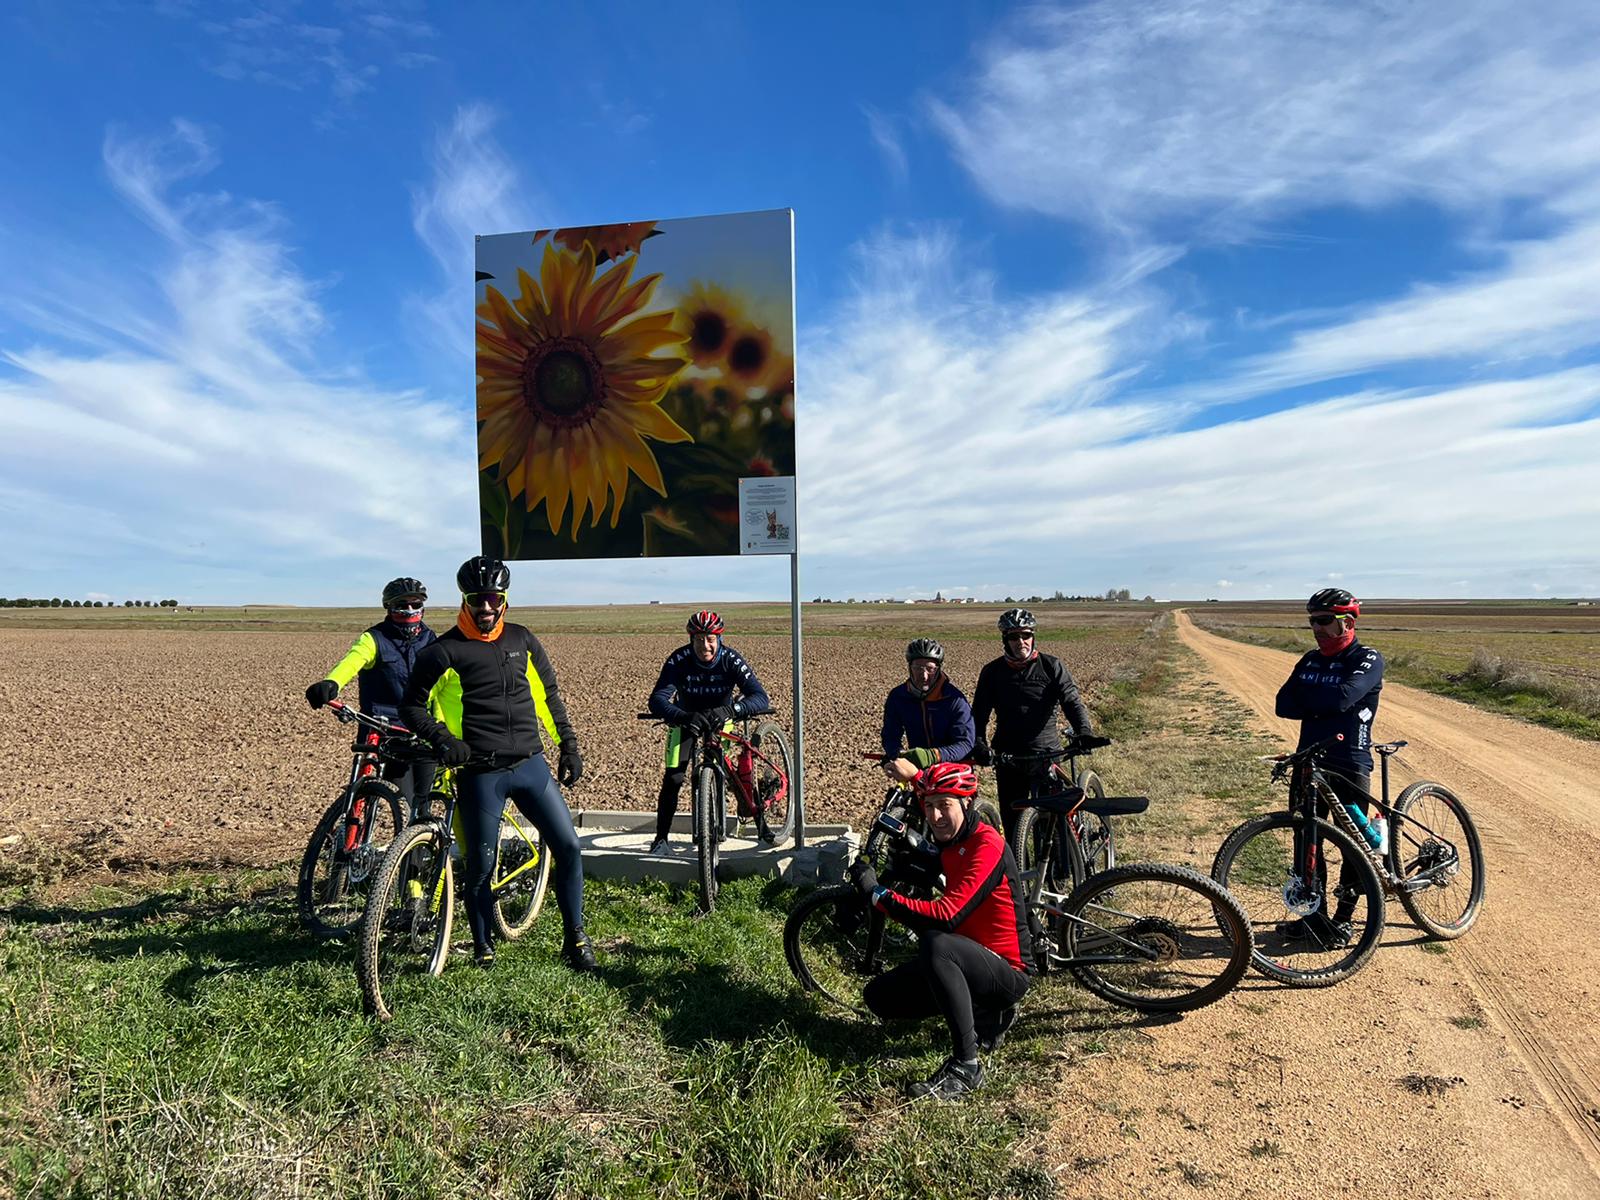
x: 468, y: 626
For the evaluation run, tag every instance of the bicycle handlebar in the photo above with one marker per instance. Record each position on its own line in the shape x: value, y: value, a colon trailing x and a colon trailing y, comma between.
x: 1316, y: 750
x: 1076, y: 745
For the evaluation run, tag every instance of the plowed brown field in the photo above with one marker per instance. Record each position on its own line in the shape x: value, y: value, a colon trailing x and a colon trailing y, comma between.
x: 132, y: 746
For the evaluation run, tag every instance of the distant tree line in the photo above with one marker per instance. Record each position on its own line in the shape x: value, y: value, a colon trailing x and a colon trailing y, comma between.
x: 58, y: 602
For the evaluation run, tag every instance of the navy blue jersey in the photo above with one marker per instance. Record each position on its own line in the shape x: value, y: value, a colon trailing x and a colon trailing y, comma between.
x: 688, y: 685
x: 1336, y: 695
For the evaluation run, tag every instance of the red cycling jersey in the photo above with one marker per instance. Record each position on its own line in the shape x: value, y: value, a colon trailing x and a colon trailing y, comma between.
x: 982, y: 898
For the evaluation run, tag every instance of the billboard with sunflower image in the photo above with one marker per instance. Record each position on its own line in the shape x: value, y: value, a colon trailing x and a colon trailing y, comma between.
x: 629, y: 376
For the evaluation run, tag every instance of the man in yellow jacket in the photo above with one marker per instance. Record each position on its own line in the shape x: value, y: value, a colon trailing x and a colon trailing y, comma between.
x: 381, y: 660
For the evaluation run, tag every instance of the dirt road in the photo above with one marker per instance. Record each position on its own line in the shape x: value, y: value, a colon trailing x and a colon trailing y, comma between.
x: 1533, y: 960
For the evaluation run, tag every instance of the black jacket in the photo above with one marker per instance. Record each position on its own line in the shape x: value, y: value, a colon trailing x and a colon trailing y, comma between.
x: 495, y: 696
x: 1024, y: 701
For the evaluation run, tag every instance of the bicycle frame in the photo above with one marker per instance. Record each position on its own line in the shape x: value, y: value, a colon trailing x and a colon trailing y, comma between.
x: 738, y: 773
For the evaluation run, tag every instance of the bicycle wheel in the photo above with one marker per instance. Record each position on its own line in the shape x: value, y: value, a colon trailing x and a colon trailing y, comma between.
x: 1155, y: 938
x: 1299, y: 941
x: 708, y: 833
x: 1097, y: 845
x: 1032, y: 841
x: 521, y: 877
x: 405, y: 932
x: 835, y: 943
x: 989, y: 813
x: 1433, y: 839
x: 772, y: 784
x: 332, y: 887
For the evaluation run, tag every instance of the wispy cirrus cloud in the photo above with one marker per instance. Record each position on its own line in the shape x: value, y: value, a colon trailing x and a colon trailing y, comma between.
x: 1007, y: 439
x: 204, y: 407
x: 474, y: 189
x: 1131, y: 115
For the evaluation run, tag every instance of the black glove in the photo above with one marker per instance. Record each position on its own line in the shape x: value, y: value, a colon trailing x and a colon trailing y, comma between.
x: 716, y: 718
x: 980, y: 754
x: 570, y: 767
x: 453, y: 751
x: 864, y: 877
x: 320, y: 692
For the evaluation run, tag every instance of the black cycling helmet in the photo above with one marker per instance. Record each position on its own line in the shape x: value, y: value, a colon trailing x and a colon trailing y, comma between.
x: 483, y: 574
x: 1016, y: 620
x: 399, y: 589
x: 1334, y: 600
x: 925, y: 648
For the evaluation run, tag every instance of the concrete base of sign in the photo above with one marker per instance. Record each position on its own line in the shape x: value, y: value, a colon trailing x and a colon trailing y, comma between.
x: 616, y: 846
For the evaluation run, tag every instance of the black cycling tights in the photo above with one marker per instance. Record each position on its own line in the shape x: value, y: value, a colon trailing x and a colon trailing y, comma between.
x: 953, y: 976
x: 481, y: 799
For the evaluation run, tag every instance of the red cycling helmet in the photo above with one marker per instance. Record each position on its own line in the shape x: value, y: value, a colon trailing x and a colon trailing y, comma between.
x: 705, y: 621
x: 947, y: 779
x: 1334, y: 600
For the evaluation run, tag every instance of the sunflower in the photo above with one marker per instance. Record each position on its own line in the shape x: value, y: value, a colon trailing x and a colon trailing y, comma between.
x: 570, y: 385
x: 707, y: 318
x: 609, y: 241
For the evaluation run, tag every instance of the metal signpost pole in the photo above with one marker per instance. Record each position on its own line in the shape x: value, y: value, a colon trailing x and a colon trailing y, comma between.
x: 797, y: 788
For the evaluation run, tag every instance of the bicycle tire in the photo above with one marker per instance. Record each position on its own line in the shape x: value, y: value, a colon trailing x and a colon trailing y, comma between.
x: 1196, y: 936
x: 773, y: 742
x: 517, y: 904
x: 707, y: 784
x: 1097, y: 844
x: 405, y: 931
x: 1253, y: 864
x: 834, y: 942
x: 1425, y: 854
x: 989, y: 813
x: 331, y: 890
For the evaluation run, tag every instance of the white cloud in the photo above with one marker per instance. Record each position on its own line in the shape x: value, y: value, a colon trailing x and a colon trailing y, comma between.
x: 199, y: 433
x: 475, y: 189
x: 886, y: 137
x: 959, y: 426
x: 1127, y: 114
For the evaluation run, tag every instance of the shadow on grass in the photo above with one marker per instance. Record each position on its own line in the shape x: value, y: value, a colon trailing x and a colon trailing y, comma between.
x: 701, y: 1002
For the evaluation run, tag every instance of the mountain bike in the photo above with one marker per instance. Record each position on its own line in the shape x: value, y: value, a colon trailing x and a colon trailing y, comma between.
x: 1151, y: 937
x: 349, y: 839
x: 404, y: 935
x: 755, y: 769
x: 1280, y: 864
x: 1063, y: 832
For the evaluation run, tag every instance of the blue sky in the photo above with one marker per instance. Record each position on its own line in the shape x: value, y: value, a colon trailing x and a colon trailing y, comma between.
x: 1195, y: 299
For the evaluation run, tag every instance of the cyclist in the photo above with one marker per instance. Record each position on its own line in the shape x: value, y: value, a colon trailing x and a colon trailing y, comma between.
x: 381, y: 661
x: 927, y: 714
x: 493, y: 685
x: 1334, y: 690
x: 695, y: 693
x: 1023, y: 689
x: 974, y: 952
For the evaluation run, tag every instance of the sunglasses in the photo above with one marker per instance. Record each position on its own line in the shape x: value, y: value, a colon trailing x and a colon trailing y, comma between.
x: 1324, y: 621
x: 479, y: 599
x: 1018, y: 636
x: 406, y: 608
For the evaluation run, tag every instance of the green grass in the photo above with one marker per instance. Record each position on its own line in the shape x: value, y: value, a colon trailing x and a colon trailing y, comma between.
x: 192, y: 1041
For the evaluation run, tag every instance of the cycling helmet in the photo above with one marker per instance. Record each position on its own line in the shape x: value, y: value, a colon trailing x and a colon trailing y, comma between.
x: 1334, y: 600
x: 483, y: 574
x: 705, y: 621
x: 925, y: 648
x: 1015, y: 620
x: 399, y: 589
x: 948, y: 779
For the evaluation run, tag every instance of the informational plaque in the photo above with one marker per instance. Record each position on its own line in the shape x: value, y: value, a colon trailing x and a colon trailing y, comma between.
x: 766, y: 515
